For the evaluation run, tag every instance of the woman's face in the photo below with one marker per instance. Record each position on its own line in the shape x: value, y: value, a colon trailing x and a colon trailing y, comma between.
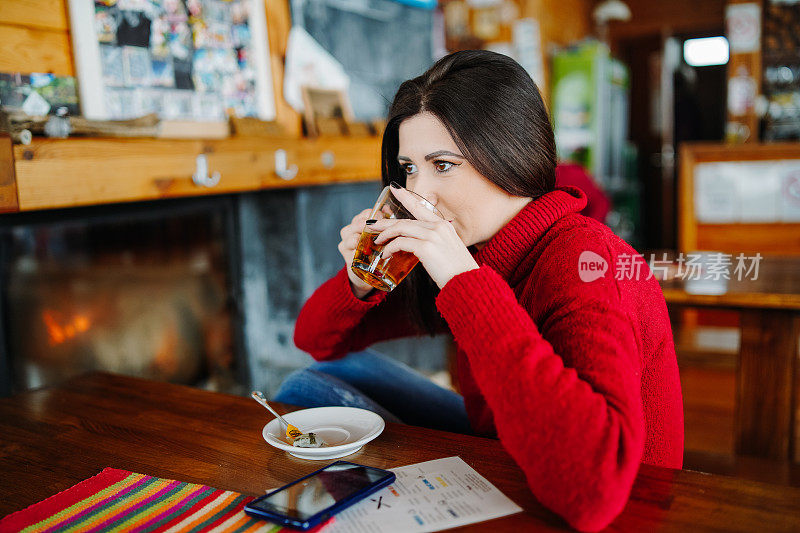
x: 436, y: 169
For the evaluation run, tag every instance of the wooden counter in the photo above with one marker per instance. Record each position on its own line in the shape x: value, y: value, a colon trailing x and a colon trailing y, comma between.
x: 55, y: 437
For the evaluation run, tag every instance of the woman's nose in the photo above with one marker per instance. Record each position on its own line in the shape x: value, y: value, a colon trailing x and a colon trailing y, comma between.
x: 426, y: 193
x: 423, y: 187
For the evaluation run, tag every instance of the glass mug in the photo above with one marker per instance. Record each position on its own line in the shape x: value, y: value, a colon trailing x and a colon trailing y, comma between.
x: 381, y: 273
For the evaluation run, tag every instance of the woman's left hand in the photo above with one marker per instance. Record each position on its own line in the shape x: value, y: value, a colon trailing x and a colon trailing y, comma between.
x: 433, y: 240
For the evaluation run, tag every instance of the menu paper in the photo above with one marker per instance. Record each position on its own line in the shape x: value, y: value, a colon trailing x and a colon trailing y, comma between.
x: 429, y: 496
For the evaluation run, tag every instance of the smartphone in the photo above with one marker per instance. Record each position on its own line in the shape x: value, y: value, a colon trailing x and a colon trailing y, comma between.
x: 313, y: 499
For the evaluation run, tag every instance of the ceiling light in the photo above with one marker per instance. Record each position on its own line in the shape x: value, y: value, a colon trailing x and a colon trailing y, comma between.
x: 706, y: 51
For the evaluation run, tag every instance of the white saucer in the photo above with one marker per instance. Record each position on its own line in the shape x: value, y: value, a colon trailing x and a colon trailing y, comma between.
x: 344, y: 429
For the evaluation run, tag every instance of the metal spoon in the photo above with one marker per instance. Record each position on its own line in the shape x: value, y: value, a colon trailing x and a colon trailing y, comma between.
x: 258, y: 396
x: 295, y: 436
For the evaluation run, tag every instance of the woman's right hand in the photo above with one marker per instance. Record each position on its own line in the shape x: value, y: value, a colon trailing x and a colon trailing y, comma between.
x: 347, y: 247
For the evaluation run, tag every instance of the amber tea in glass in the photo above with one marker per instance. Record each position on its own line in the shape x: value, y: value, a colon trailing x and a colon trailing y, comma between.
x: 382, y: 273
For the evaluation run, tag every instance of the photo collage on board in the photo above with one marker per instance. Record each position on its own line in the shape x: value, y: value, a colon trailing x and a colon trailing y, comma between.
x: 181, y: 59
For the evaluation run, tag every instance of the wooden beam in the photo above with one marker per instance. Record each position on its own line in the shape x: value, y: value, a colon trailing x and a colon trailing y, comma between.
x: 8, y: 179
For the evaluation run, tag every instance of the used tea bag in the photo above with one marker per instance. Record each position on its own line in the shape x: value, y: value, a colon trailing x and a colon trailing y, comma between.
x: 308, y: 440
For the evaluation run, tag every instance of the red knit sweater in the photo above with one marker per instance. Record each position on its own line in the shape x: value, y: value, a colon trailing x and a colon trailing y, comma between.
x: 577, y: 378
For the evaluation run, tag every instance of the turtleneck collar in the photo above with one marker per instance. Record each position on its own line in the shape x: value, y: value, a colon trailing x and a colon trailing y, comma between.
x: 511, y: 245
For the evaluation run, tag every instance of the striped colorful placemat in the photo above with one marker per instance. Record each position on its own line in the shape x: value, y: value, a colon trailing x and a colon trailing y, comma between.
x: 117, y: 500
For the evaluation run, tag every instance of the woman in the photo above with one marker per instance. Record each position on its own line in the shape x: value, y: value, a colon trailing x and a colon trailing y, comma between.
x: 568, y: 361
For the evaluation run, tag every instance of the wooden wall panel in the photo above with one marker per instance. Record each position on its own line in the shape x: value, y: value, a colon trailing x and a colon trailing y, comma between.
x: 29, y: 50
x: 42, y: 14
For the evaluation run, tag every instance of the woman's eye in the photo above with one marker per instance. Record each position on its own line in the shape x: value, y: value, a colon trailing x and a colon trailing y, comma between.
x: 409, y: 168
x: 442, y: 166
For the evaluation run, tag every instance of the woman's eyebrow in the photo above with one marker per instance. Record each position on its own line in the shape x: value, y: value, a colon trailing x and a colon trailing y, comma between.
x: 440, y: 153
x: 431, y: 155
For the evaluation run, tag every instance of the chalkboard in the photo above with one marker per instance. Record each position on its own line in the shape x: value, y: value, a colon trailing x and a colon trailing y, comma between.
x: 380, y: 43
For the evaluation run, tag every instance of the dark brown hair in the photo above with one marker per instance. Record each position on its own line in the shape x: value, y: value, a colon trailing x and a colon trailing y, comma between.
x: 493, y: 111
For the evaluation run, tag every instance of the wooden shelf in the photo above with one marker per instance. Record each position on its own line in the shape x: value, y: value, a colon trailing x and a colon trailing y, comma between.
x: 55, y: 173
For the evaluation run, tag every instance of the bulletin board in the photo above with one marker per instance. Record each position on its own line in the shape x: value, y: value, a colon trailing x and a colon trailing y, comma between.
x: 739, y: 198
x: 196, y: 60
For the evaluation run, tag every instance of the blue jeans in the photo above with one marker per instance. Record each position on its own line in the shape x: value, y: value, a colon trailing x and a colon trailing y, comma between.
x: 372, y: 381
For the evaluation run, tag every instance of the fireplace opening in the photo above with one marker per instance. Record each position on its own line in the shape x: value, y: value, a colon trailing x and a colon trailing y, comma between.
x: 141, y: 289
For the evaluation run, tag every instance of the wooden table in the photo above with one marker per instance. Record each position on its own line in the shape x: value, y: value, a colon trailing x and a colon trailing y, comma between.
x: 53, y: 438
x: 769, y: 310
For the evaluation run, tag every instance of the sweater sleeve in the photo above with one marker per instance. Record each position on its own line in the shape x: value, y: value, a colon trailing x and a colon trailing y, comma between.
x: 571, y: 417
x: 333, y: 322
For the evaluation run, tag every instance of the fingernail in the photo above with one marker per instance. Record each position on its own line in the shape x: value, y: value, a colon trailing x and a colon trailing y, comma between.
x: 371, y: 221
x: 395, y: 185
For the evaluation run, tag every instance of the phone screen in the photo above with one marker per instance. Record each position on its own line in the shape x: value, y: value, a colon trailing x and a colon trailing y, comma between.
x: 316, y: 493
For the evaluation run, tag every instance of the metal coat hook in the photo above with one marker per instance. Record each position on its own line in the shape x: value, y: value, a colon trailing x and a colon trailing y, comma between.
x: 201, y: 177
x: 328, y: 159
x: 284, y: 172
